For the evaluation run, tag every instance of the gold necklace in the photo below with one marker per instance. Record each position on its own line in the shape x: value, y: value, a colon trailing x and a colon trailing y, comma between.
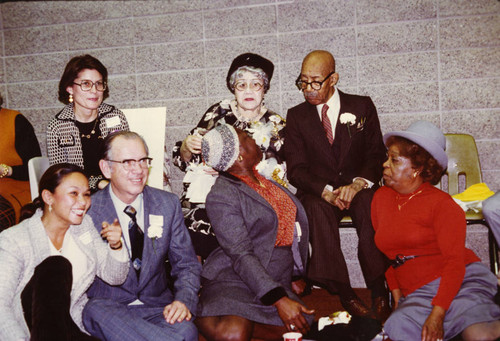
x: 398, y: 197
x: 92, y: 132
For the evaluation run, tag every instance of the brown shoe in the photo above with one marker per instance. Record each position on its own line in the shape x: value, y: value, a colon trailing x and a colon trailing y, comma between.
x: 355, y: 306
x: 381, y: 308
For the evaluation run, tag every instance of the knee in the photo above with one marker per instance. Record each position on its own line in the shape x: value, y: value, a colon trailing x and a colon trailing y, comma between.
x: 233, y: 333
x: 482, y: 331
x: 189, y: 331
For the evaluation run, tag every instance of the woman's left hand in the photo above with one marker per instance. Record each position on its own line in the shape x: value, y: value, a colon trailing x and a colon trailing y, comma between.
x: 112, y: 233
x: 290, y: 313
x: 433, y: 330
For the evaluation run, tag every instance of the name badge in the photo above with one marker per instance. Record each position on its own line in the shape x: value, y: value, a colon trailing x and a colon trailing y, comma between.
x: 156, y: 220
x: 112, y: 122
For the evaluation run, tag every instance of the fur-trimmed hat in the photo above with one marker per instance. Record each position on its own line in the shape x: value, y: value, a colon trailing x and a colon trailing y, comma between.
x: 220, y: 147
x: 250, y: 59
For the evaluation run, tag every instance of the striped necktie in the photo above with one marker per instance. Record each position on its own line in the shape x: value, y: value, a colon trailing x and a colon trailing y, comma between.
x: 326, y: 124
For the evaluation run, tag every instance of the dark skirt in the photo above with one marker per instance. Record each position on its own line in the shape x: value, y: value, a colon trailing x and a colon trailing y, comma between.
x: 233, y: 297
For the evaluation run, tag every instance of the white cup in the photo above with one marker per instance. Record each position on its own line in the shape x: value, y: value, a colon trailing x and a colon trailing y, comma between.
x: 292, y: 336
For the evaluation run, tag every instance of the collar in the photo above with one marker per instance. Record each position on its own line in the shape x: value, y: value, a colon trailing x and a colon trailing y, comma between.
x: 68, y: 113
x: 333, y: 102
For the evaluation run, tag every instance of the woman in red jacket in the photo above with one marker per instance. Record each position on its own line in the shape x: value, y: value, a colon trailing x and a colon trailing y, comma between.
x: 440, y: 287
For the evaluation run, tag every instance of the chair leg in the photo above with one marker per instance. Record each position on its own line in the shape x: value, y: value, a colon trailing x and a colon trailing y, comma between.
x: 493, y: 248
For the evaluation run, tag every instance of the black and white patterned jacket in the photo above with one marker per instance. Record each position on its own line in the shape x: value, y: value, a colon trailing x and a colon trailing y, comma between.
x: 63, y: 137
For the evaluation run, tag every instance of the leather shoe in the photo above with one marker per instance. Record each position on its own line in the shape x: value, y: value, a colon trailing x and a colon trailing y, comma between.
x: 356, y: 307
x: 381, y: 308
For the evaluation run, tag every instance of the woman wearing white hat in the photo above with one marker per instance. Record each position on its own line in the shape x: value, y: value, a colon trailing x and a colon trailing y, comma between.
x: 440, y: 287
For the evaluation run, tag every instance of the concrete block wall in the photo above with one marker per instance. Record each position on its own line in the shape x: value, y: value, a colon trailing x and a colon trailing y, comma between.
x: 418, y: 59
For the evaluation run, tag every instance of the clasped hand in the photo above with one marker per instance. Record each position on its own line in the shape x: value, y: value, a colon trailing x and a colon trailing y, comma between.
x: 342, y: 196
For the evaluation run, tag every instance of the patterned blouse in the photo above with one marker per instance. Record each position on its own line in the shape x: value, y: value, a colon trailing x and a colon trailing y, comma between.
x: 281, y: 203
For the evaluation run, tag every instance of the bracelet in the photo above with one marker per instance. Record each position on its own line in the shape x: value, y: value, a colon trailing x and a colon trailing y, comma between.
x: 116, y: 248
x: 5, y: 170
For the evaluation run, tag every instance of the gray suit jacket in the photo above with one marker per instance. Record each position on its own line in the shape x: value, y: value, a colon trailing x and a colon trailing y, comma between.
x: 152, y: 287
x: 246, y: 226
x: 24, y: 246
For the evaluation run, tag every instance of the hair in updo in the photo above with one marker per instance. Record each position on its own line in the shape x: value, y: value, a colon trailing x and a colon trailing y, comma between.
x: 419, y: 157
x: 49, y: 181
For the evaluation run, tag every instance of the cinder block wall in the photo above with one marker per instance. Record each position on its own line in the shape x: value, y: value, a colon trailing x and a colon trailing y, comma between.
x: 418, y: 59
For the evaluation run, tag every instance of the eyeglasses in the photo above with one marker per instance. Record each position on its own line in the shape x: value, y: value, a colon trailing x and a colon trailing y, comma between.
x: 86, y: 85
x: 130, y: 164
x: 254, y: 85
x: 302, y: 85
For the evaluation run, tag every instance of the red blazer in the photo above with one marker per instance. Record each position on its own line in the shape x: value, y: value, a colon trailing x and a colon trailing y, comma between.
x: 358, y: 149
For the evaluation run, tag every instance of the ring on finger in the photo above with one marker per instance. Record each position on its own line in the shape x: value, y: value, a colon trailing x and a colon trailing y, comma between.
x: 292, y: 326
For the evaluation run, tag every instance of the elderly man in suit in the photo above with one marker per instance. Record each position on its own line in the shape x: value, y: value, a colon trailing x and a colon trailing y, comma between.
x: 148, y: 306
x: 334, y: 152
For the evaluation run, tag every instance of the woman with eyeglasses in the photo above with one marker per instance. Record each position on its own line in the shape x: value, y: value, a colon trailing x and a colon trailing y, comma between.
x: 248, y: 79
x: 76, y: 134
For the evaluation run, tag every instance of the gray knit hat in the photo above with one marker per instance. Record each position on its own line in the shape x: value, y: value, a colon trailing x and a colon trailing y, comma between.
x: 220, y: 147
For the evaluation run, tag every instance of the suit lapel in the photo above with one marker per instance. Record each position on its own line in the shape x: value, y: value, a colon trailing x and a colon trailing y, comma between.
x: 343, y: 129
x: 148, y: 253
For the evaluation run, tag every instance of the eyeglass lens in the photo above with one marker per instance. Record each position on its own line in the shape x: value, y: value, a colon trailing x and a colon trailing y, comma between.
x: 315, y: 85
x: 86, y: 85
x: 254, y: 85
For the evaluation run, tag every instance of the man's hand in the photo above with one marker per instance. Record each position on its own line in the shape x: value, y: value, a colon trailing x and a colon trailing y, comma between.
x: 329, y: 196
x: 176, y: 312
x: 432, y: 329
x: 290, y: 313
x: 345, y: 194
x: 112, y: 233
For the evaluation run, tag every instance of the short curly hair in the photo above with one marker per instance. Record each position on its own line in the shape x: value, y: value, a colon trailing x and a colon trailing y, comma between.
x: 73, y: 68
x: 431, y: 171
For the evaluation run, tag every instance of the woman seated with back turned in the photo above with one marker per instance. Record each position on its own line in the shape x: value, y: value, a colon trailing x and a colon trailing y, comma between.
x: 440, y: 287
x: 248, y: 79
x: 263, y: 233
x: 49, y: 260
x: 77, y: 132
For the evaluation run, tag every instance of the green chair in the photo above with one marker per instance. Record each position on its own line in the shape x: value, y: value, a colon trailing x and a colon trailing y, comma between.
x: 464, y: 170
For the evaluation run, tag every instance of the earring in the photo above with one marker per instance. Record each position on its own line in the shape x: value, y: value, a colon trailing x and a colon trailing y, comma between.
x: 70, y: 98
x: 50, y: 208
x: 240, y: 158
x: 415, y: 175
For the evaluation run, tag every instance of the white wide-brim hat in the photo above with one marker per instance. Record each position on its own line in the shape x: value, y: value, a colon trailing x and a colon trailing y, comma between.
x: 427, y: 136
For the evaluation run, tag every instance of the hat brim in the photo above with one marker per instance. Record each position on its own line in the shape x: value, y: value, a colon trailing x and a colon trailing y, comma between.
x: 431, y: 147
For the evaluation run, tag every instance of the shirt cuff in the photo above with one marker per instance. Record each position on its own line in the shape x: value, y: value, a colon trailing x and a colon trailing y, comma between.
x: 273, y: 296
x: 328, y: 188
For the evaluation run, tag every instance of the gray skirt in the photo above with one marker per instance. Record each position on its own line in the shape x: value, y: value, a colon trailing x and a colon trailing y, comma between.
x: 472, y: 304
x: 233, y: 297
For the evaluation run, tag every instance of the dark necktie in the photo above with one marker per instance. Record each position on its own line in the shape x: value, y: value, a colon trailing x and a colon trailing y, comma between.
x: 136, y: 238
x: 326, y: 124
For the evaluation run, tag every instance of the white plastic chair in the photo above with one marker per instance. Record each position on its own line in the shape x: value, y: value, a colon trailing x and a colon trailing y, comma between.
x: 36, y: 167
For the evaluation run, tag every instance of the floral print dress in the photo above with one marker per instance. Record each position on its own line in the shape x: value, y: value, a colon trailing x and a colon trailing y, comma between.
x: 268, y: 133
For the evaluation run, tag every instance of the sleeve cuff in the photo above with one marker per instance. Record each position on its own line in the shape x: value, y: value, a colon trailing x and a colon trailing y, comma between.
x: 273, y: 296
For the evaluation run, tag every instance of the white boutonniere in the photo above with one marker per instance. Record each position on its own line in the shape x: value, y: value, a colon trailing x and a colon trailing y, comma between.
x: 349, y: 119
x: 155, y: 230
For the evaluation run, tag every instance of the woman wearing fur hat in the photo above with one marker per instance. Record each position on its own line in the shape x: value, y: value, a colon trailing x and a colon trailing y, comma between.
x: 248, y: 79
x: 440, y: 287
x: 263, y: 234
